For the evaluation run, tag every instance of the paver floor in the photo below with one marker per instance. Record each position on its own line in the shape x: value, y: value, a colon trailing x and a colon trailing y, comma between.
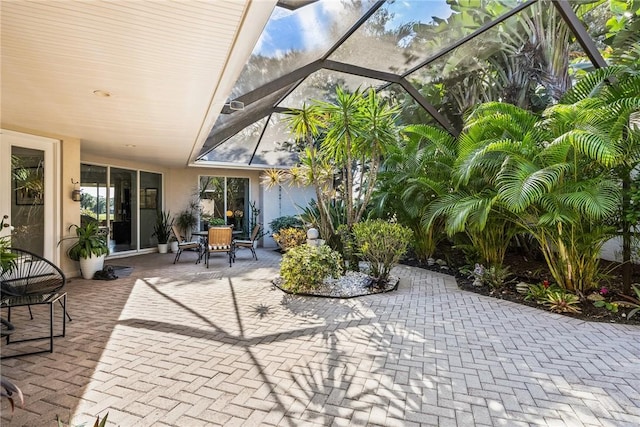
x: 182, y: 345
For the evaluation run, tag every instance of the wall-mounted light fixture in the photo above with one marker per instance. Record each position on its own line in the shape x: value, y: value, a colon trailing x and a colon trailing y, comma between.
x: 76, y: 194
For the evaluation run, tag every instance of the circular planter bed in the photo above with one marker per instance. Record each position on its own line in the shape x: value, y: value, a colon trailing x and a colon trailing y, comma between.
x: 352, y: 284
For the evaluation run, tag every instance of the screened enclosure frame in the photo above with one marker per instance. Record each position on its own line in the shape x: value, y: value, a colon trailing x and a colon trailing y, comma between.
x: 265, y: 100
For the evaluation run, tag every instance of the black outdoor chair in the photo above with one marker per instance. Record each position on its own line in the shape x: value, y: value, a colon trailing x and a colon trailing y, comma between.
x: 30, y: 280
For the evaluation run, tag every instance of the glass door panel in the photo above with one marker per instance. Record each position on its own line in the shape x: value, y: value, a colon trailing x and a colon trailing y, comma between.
x: 212, y: 203
x: 95, y: 202
x: 27, y: 197
x: 150, y: 206
x: 125, y: 214
x: 238, y: 203
x: 27, y: 207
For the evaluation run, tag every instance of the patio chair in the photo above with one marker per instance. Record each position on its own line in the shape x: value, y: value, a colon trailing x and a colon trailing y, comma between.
x: 220, y: 240
x: 184, y: 244
x: 249, y: 244
x: 30, y: 280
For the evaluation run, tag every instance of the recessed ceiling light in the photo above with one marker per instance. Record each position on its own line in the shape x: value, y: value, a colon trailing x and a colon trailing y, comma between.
x: 129, y: 145
x: 101, y: 93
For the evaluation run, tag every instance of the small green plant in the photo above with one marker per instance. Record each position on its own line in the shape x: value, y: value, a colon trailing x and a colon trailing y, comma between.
x: 496, y: 276
x: 382, y: 244
x: 633, y: 302
x: 162, y: 228
x: 97, y: 423
x: 187, y: 219
x: 562, y: 301
x: 539, y: 292
x: 304, y: 267
x: 290, y: 237
x: 610, y: 306
x: 90, y: 240
x: 286, y: 221
x: 216, y: 222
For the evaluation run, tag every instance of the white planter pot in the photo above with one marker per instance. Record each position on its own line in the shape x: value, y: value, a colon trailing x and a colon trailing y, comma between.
x: 163, y: 248
x: 89, y: 266
x: 174, y: 247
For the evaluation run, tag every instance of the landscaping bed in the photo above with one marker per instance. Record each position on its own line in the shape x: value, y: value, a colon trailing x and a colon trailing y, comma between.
x: 524, y: 269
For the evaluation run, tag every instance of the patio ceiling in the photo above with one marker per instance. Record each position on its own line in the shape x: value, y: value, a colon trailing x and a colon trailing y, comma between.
x: 138, y: 80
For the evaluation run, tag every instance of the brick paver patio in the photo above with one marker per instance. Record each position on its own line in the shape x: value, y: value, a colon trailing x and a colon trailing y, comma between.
x: 180, y: 345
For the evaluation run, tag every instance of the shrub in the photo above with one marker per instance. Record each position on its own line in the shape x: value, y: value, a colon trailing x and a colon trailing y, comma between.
x: 290, y: 237
x: 382, y: 244
x: 283, y: 222
x: 305, y: 267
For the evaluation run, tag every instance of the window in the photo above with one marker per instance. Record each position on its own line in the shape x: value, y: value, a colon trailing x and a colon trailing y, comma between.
x: 225, y: 201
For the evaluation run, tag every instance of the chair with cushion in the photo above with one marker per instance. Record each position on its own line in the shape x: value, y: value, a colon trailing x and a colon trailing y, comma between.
x: 220, y: 241
x: 184, y: 244
x: 249, y: 244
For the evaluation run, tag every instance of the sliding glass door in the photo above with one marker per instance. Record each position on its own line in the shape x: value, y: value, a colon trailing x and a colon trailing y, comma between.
x: 124, y: 202
x: 225, y: 201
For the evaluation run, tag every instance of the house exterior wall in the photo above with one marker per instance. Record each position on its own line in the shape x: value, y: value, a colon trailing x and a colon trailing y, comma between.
x: 283, y: 201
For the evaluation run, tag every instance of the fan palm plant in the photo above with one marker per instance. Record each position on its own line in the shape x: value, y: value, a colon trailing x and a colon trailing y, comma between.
x: 415, y: 173
x: 553, y: 182
x: 602, y: 113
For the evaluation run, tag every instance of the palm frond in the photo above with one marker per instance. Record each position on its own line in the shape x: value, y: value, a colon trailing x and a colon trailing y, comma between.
x: 591, y: 84
x: 522, y: 183
x: 596, y: 198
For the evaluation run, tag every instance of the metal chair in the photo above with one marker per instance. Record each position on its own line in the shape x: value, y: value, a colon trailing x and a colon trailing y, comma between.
x: 220, y: 240
x: 30, y: 280
x: 184, y: 244
x: 249, y: 244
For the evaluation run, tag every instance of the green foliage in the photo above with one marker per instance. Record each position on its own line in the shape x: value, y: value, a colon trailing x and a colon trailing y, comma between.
x: 633, y: 302
x: 382, y: 244
x: 343, y: 143
x: 287, y: 221
x: 415, y: 173
x: 188, y: 219
x: 98, y: 422
x: 90, y: 240
x: 290, y: 237
x: 610, y: 306
x: 162, y: 227
x: 304, y: 268
x: 495, y: 276
x: 216, y: 222
x: 538, y: 292
x: 6, y: 258
x: 562, y: 301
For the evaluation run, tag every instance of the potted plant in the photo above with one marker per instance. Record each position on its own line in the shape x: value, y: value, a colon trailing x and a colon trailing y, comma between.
x: 162, y: 230
x: 89, y: 249
x: 186, y: 221
x: 217, y: 222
